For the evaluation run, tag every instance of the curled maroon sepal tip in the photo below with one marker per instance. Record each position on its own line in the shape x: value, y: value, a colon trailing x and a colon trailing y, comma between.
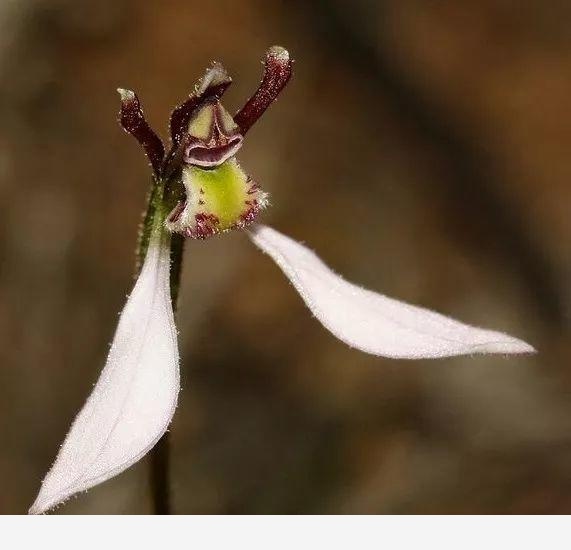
x: 277, y: 72
x: 211, y: 87
x: 133, y: 121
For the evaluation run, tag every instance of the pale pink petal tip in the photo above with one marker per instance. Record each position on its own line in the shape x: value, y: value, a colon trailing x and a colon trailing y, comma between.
x: 371, y: 322
x: 134, y: 400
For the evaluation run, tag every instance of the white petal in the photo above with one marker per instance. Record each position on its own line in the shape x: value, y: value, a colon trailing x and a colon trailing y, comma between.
x: 370, y: 321
x: 134, y: 400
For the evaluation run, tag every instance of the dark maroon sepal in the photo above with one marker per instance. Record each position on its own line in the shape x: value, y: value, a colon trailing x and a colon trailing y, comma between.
x: 211, y: 87
x: 277, y: 72
x: 133, y: 121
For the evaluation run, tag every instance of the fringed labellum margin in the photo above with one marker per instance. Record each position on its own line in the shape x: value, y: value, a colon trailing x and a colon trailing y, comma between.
x: 216, y: 200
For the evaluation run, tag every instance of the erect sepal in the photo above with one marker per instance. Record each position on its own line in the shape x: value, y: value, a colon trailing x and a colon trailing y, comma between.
x: 203, y: 134
x: 133, y: 121
x: 277, y: 72
x: 211, y: 87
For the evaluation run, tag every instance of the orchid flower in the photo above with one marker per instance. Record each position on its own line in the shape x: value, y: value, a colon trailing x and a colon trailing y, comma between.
x: 199, y: 190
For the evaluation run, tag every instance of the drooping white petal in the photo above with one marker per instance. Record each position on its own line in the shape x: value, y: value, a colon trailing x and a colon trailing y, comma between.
x: 370, y: 321
x: 135, y: 397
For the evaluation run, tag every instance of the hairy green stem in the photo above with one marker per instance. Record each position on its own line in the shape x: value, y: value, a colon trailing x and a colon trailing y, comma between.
x: 160, y: 455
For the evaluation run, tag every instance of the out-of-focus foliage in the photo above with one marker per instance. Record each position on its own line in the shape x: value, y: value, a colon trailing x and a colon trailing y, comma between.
x: 422, y: 148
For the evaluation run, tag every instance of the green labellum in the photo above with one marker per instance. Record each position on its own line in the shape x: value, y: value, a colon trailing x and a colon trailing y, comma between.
x: 217, y: 199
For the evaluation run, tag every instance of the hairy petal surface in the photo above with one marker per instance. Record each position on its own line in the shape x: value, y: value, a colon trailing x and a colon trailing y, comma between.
x: 134, y: 400
x: 370, y: 321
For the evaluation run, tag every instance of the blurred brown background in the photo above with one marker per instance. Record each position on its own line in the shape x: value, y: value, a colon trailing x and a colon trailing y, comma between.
x: 422, y: 149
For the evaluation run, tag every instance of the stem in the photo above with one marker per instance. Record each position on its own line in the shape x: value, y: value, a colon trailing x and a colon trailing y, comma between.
x: 160, y: 454
x: 177, y: 248
x: 159, y: 476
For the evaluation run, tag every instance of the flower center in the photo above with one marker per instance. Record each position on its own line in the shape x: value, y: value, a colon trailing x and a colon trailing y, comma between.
x: 213, y: 136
